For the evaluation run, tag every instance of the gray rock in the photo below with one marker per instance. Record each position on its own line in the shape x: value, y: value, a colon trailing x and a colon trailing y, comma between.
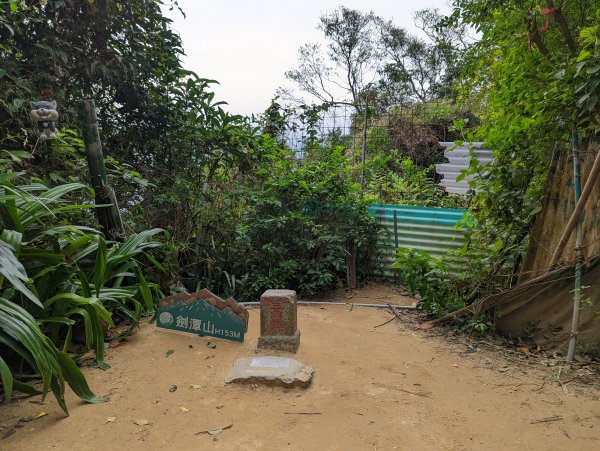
x: 270, y: 371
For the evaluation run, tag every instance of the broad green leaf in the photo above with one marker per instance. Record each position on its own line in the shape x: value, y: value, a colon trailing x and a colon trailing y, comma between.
x: 75, y: 379
x: 100, y: 265
x: 7, y: 379
x: 14, y: 239
x: 77, y: 245
x: 25, y: 388
x: 81, y: 301
x: 14, y: 272
x: 144, y: 289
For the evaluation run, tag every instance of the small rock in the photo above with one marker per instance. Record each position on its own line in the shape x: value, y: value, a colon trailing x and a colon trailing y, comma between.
x: 220, y: 406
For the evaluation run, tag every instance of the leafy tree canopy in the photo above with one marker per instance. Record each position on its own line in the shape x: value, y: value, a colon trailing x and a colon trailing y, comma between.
x: 365, y: 55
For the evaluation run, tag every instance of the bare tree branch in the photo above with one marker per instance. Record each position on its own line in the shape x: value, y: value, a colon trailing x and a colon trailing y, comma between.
x: 564, y: 27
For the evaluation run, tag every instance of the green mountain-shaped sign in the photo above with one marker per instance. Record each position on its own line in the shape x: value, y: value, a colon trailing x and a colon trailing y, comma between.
x: 199, y: 317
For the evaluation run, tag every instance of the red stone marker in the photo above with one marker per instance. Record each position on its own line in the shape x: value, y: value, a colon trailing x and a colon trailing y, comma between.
x: 278, y: 321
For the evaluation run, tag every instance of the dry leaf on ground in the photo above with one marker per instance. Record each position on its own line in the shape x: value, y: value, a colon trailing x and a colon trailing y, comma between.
x: 141, y: 422
x: 216, y: 431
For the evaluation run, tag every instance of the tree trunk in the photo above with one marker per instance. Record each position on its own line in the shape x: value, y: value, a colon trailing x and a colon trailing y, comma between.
x: 108, y: 215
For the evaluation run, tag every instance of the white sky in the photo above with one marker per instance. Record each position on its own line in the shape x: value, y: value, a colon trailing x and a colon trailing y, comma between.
x: 248, y: 45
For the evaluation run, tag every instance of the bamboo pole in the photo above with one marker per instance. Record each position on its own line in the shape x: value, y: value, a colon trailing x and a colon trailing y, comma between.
x: 578, y: 251
x: 107, y: 210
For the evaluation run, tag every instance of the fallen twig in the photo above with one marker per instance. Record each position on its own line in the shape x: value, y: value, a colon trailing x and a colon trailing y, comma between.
x: 557, y: 395
x: 396, y: 316
x: 387, y: 322
x: 391, y: 387
x: 565, y: 433
x: 520, y: 384
x: 394, y: 311
x: 569, y: 380
x: 302, y: 413
x: 10, y: 430
x: 547, y: 419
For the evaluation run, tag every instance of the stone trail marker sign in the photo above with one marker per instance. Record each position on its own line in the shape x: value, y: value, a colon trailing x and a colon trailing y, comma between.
x: 203, y: 313
x: 278, y: 321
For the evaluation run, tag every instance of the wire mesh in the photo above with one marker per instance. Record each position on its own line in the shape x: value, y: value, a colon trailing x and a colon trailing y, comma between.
x: 411, y: 129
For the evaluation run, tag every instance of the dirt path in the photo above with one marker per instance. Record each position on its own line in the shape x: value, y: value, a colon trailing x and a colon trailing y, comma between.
x: 374, y: 388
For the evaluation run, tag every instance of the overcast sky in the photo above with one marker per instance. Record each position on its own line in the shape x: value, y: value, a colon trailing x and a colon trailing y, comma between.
x: 248, y: 45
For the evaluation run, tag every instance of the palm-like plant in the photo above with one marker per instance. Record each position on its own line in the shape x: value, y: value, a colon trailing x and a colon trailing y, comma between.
x: 53, y: 273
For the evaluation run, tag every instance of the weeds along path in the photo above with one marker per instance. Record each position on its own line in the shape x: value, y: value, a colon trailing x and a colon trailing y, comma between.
x: 389, y: 387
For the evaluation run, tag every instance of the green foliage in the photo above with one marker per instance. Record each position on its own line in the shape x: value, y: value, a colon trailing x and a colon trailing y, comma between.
x: 443, y: 284
x: 20, y: 332
x: 587, y: 75
x: 59, y: 279
x: 291, y: 225
x: 417, y: 69
x: 532, y: 82
x: 431, y: 279
x: 406, y: 184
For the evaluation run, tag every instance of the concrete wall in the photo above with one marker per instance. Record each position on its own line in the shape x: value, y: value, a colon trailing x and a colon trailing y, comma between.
x: 558, y: 205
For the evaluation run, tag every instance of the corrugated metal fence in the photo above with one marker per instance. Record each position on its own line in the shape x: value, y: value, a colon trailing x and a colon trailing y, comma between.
x: 459, y: 158
x: 430, y: 229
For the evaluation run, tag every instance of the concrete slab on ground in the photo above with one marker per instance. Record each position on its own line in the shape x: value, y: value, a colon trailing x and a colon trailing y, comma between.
x: 270, y: 371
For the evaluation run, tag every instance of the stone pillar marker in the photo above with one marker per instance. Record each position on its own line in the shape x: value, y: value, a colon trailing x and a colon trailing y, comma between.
x: 278, y: 321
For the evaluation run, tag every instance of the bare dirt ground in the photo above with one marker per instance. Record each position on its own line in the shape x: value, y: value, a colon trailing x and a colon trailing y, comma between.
x: 387, y: 387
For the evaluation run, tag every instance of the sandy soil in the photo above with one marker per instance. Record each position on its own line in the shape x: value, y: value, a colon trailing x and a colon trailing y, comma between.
x: 389, y: 387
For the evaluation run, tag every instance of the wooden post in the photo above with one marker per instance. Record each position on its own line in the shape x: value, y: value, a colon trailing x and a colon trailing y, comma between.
x: 364, y: 146
x: 108, y: 214
x: 351, y: 263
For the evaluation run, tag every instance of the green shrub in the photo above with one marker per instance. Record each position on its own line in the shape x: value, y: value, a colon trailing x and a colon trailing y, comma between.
x: 290, y: 226
x: 407, y: 184
x: 431, y: 279
x: 57, y: 277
